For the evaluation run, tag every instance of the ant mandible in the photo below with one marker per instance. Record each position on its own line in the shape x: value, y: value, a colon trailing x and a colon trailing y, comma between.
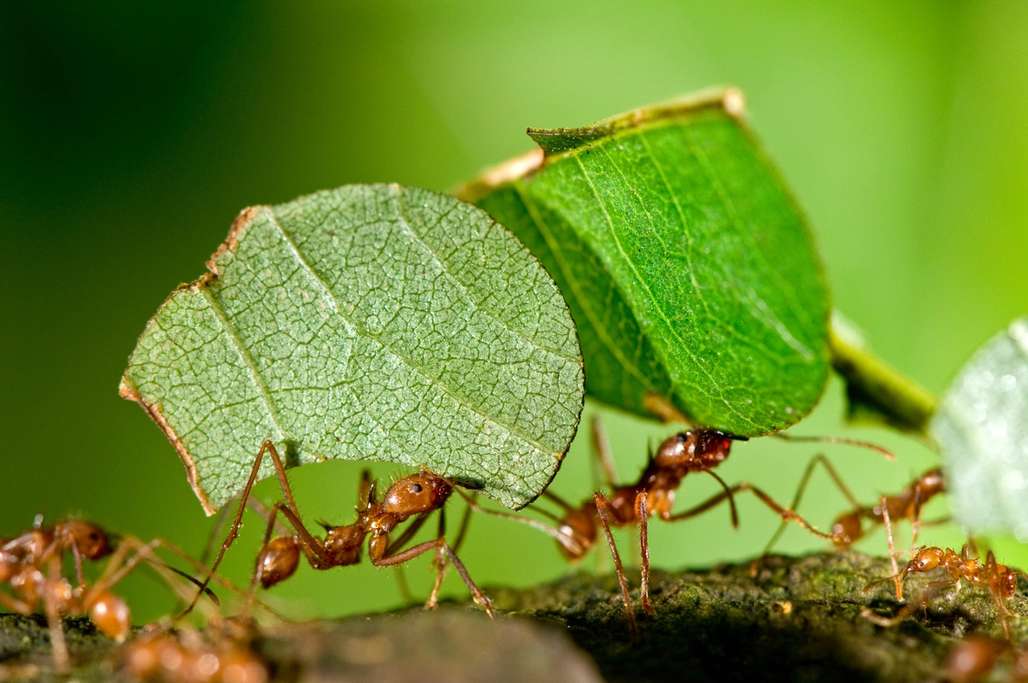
x: 415, y: 496
x: 653, y: 493
x: 849, y: 527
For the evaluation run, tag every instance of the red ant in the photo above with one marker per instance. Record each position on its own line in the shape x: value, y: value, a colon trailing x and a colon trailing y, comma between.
x: 417, y: 495
x: 975, y: 656
x: 849, y: 527
x: 222, y: 655
x: 999, y: 579
x: 698, y: 450
x: 31, y: 566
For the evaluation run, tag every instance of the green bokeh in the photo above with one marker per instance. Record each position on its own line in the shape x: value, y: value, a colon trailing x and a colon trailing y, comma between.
x: 132, y: 135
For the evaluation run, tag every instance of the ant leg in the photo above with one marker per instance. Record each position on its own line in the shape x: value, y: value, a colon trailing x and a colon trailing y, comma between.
x: 408, y: 533
x: 601, y: 451
x: 896, y: 577
x: 931, y: 591
x: 15, y: 605
x: 783, y: 512
x: 602, y: 510
x: 237, y: 522
x: 58, y: 646
x: 401, y: 584
x: 410, y: 553
x: 564, y: 540
x: 77, y: 556
x: 860, y: 443
x: 644, y: 550
x: 802, y: 487
x: 465, y: 522
x: 439, y: 562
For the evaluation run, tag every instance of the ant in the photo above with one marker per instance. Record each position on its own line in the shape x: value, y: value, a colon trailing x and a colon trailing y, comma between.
x: 849, y: 527
x: 653, y: 493
x: 225, y: 655
x: 975, y: 656
x: 31, y: 566
x: 999, y: 579
x: 415, y: 496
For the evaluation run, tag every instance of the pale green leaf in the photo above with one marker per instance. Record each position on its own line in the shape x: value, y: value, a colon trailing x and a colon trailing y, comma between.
x: 688, y: 267
x: 982, y: 430
x: 366, y: 323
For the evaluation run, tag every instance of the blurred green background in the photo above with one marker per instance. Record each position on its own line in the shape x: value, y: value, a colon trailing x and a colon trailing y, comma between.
x: 132, y: 134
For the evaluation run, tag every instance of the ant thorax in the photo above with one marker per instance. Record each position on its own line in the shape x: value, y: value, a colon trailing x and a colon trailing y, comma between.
x: 697, y: 449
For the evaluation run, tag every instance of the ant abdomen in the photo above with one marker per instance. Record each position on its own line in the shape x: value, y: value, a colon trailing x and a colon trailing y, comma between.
x: 111, y: 616
x: 278, y: 560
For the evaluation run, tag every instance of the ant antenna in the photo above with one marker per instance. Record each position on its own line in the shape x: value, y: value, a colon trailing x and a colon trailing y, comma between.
x: 860, y: 443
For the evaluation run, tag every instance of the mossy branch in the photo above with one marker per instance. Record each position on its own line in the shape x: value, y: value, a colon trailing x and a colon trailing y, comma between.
x: 789, y: 619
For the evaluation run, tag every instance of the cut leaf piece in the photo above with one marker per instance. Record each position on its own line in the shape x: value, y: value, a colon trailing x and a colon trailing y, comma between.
x: 365, y: 323
x: 982, y: 430
x: 688, y: 267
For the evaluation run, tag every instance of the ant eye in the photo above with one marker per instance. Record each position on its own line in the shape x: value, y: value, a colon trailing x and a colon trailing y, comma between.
x: 415, y: 488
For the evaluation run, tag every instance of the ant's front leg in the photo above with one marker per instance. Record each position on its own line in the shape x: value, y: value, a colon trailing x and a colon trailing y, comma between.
x: 291, y: 512
x: 380, y: 557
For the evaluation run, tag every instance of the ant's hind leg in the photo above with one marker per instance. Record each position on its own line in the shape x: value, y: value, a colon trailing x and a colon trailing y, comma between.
x: 836, y: 478
x: 603, y: 512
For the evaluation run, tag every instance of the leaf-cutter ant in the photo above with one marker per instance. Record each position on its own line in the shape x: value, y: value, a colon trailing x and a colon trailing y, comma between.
x: 415, y: 496
x: 653, y: 494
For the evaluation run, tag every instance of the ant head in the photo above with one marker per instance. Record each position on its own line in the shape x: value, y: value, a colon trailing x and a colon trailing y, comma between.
x: 417, y: 493
x: 925, y: 560
x: 707, y: 447
x: 90, y: 540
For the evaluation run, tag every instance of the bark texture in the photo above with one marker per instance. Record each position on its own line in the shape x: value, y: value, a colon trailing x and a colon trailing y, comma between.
x: 796, y: 619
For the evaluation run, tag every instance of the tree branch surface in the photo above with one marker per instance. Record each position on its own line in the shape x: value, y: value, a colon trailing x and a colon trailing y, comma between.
x: 795, y: 619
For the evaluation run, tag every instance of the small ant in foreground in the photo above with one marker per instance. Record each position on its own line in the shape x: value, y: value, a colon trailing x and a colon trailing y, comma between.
x: 975, y: 656
x: 223, y: 655
x: 849, y: 527
x: 31, y: 565
x: 697, y: 450
x: 417, y: 495
x: 999, y: 579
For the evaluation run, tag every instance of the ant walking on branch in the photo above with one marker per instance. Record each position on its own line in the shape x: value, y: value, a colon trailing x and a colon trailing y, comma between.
x: 849, y: 527
x: 652, y: 494
x: 31, y: 565
x: 999, y: 579
x: 415, y: 496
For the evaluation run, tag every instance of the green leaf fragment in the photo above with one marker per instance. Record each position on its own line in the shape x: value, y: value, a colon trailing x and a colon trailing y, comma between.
x: 982, y: 430
x: 365, y: 323
x: 688, y: 267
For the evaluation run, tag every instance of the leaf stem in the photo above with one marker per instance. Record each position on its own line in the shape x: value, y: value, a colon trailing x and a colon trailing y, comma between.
x: 873, y: 386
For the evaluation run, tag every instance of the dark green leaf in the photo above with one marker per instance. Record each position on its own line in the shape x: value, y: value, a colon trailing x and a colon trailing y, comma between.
x: 366, y: 323
x: 688, y: 267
